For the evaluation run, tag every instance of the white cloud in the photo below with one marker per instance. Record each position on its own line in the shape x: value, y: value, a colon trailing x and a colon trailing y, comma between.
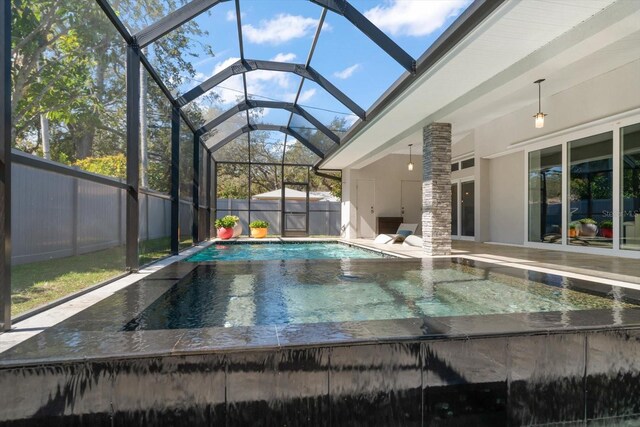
x: 306, y: 95
x: 279, y: 30
x: 224, y: 64
x: 284, y: 57
x: 231, y: 15
x: 347, y: 72
x: 414, y: 17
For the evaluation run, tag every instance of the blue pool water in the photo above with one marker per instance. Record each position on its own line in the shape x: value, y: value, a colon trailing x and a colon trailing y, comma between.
x: 228, y: 294
x: 280, y: 251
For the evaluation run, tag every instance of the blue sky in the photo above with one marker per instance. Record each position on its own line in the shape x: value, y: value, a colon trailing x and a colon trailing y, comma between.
x: 283, y: 30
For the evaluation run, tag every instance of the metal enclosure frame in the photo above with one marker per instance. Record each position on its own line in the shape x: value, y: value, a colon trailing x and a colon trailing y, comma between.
x: 5, y: 165
x: 136, y: 59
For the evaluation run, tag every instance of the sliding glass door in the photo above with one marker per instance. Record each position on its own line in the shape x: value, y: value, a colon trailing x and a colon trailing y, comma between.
x: 591, y: 191
x: 463, y: 209
x: 545, y: 195
x: 630, y: 164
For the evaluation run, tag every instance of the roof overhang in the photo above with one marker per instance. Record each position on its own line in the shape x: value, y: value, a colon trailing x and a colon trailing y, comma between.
x: 490, y: 72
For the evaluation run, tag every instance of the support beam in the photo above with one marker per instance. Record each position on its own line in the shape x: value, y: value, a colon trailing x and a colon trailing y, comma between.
x: 274, y: 128
x: 175, y: 181
x: 195, y: 189
x: 436, y: 189
x: 173, y: 20
x: 214, y: 184
x: 133, y: 156
x: 344, y: 8
x: 5, y: 165
x: 241, y: 67
x: 208, y: 196
x: 288, y: 106
x: 115, y: 20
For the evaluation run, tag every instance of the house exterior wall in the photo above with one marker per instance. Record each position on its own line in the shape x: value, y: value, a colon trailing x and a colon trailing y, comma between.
x: 498, y: 148
x: 606, y: 95
x: 507, y: 192
x: 388, y: 174
x: 500, y: 204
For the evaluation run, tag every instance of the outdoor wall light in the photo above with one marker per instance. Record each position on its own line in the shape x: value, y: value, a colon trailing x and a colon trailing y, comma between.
x: 539, y: 117
x: 410, y: 165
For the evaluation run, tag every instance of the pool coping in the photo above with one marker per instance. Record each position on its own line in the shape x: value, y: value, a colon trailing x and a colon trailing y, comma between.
x: 101, y: 345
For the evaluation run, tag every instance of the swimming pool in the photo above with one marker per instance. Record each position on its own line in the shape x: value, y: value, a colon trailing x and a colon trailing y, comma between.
x: 440, y: 342
x: 280, y: 251
x: 316, y: 291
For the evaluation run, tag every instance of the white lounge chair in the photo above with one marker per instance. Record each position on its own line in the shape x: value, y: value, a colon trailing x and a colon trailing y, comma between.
x: 404, y: 230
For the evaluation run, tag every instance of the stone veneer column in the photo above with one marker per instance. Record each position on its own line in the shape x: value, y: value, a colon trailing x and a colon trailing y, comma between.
x: 436, y: 189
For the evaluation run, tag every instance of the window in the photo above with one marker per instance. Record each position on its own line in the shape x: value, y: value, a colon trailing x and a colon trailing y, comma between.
x: 455, y: 166
x: 630, y: 200
x: 454, y: 209
x: 469, y: 163
x: 545, y: 195
x: 467, y: 190
x: 591, y: 190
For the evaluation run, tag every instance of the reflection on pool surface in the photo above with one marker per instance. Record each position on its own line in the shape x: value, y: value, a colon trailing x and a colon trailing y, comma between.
x: 279, y: 251
x: 300, y: 292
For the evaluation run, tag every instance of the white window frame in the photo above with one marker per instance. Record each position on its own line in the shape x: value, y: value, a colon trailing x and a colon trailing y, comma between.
x: 612, y: 124
x: 458, y: 183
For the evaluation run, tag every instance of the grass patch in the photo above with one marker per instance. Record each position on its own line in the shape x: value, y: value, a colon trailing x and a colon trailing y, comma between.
x: 38, y: 283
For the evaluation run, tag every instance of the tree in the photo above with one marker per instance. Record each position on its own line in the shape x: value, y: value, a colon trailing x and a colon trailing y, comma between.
x: 233, y: 179
x: 69, y: 64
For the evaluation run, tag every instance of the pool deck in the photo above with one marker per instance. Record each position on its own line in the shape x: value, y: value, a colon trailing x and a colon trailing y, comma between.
x: 609, y: 268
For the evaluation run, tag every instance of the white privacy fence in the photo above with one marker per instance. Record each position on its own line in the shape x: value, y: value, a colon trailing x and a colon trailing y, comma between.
x: 58, y: 211
x: 324, y: 216
x: 55, y: 215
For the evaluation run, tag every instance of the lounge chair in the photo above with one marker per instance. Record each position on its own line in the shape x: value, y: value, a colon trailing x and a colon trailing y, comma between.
x: 413, y: 240
x: 404, y: 230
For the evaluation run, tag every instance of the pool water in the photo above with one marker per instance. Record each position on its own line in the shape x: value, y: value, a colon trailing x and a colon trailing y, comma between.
x: 314, y: 291
x: 280, y: 251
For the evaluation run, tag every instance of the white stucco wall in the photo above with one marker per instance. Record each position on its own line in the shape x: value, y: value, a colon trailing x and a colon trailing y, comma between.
x: 507, y: 192
x: 388, y: 174
x: 608, y: 94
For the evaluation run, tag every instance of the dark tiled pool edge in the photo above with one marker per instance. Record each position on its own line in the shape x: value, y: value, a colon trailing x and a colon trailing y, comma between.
x: 507, y: 369
x: 499, y: 380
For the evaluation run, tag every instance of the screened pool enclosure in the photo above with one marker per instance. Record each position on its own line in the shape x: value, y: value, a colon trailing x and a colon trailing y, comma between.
x: 128, y: 127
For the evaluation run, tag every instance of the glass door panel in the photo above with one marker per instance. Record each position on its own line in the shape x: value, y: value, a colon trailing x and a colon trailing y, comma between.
x: 454, y: 209
x: 545, y: 195
x: 591, y: 191
x: 467, y: 207
x: 630, y: 218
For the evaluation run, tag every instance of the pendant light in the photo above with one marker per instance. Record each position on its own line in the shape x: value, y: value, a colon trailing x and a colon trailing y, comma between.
x: 410, y: 165
x: 539, y: 116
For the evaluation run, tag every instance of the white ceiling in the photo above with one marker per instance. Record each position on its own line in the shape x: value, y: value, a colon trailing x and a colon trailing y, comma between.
x: 491, y: 72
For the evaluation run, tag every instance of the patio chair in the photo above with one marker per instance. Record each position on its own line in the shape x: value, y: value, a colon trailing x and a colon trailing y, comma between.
x: 404, y: 230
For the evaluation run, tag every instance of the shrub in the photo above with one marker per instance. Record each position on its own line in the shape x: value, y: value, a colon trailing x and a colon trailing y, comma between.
x: 606, y: 224
x: 225, y: 222
x: 587, y: 221
x: 258, y: 223
x: 575, y: 224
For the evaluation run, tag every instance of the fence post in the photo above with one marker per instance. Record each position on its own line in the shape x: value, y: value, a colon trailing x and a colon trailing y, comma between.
x: 74, y: 216
x: 5, y: 165
x: 208, y: 190
x: 133, y: 155
x: 195, y: 189
x: 175, y: 180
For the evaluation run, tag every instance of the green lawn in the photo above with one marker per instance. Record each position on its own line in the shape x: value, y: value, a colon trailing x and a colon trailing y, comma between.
x: 38, y: 283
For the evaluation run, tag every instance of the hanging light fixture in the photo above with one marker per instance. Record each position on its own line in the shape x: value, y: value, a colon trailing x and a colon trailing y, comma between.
x: 410, y: 165
x: 539, y: 117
